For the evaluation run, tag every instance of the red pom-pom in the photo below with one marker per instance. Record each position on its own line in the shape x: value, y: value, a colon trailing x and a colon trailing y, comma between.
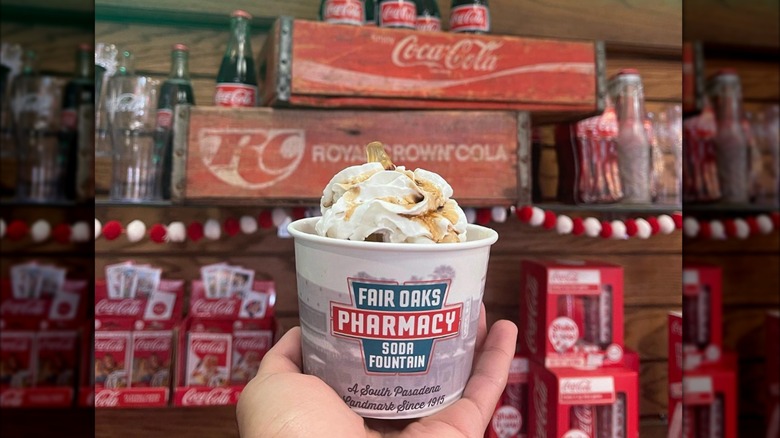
x: 705, y: 232
x: 631, y: 228
x: 525, y: 213
x: 195, y: 231
x: 577, y: 226
x: 265, y: 219
x: 158, y: 233
x: 730, y: 227
x: 678, y: 220
x: 654, y: 227
x: 17, y: 230
x: 231, y: 226
x: 483, y: 216
x: 606, y: 229
x: 61, y: 233
x: 753, y: 224
x: 298, y: 213
x: 112, y: 230
x: 550, y: 219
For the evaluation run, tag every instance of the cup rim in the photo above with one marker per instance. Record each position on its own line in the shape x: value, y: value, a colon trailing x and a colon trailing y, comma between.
x: 294, y: 228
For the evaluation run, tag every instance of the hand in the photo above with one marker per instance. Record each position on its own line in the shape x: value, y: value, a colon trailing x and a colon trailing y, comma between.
x: 281, y: 401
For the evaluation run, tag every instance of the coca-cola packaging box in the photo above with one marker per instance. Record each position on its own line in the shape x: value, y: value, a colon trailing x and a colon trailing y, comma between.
x: 675, y: 374
x: 484, y: 153
x: 574, y: 403
x: 42, y: 317
x: 709, y: 400
x: 134, y: 342
x: 222, y: 342
x: 702, y: 307
x: 510, y: 419
x: 772, y: 323
x: 360, y: 66
x: 572, y: 312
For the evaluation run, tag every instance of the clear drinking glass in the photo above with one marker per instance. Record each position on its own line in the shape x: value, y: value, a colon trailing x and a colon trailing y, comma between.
x: 41, y: 157
x: 137, y: 156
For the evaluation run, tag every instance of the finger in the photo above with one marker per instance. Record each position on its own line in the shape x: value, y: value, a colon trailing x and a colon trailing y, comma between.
x: 471, y: 414
x: 285, y: 356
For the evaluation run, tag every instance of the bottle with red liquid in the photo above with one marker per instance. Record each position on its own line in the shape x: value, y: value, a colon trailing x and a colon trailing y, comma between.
x: 470, y: 16
x: 237, y: 80
x: 633, y: 146
x: 176, y: 90
x: 428, y: 16
x: 350, y: 12
x: 731, y: 144
x: 78, y: 102
x: 400, y: 14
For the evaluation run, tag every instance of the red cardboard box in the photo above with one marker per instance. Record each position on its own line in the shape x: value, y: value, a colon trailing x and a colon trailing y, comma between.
x: 221, y: 344
x: 573, y: 313
x: 510, y: 419
x: 773, y: 372
x: 572, y: 403
x: 702, y: 307
x: 675, y: 373
x: 710, y: 400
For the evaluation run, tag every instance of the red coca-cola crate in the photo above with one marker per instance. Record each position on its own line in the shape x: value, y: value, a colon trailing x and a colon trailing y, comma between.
x: 221, y: 343
x: 566, y: 402
x: 702, y: 307
x: 709, y: 401
x: 314, y: 64
x: 510, y: 419
x: 573, y: 313
x: 290, y: 155
x: 773, y: 372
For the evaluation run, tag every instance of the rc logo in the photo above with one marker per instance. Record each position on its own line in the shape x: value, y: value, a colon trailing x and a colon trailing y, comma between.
x: 396, y: 324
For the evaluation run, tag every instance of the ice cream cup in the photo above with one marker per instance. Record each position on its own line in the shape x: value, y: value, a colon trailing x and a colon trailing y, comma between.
x: 391, y: 327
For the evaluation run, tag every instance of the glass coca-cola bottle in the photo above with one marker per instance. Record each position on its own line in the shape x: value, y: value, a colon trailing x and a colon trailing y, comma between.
x: 370, y: 8
x: 633, y: 146
x: 350, y: 12
x: 78, y: 101
x: 176, y: 90
x: 470, y: 16
x: 236, y: 80
x: 125, y: 66
x: 428, y: 16
x: 397, y: 13
x: 731, y: 144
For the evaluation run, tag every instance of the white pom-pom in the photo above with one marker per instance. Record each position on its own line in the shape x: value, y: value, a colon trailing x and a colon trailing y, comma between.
x: 717, y: 229
x: 618, y: 230
x: 471, y: 214
x: 765, y: 224
x: 177, y: 232
x: 79, y: 232
x: 691, y: 227
x: 643, y: 228
x: 498, y: 214
x: 564, y: 224
x: 98, y: 228
x: 40, y: 230
x: 592, y: 226
x: 279, y: 215
x: 2, y: 228
x: 248, y: 224
x: 136, y: 230
x: 537, y: 217
x: 665, y: 224
x: 742, y: 227
x: 212, y: 230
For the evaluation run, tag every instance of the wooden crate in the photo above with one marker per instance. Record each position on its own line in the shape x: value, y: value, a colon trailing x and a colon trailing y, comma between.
x: 265, y: 155
x: 313, y: 64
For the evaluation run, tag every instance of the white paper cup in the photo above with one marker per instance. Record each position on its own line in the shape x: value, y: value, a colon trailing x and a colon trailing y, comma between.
x: 391, y: 327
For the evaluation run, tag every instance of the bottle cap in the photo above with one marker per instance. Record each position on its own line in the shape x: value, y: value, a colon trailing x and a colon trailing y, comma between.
x: 242, y: 14
x: 181, y: 47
